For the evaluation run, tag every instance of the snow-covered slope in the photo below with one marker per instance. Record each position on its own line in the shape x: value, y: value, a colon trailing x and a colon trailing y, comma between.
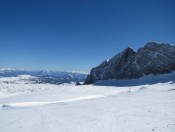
x: 10, y: 86
x: 90, y: 108
x: 146, y: 80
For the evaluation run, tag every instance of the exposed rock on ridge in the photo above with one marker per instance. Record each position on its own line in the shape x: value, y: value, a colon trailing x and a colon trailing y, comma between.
x: 153, y: 58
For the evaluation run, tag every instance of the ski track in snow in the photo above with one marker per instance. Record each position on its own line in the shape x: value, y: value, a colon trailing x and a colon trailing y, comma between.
x: 31, y: 104
x: 28, y: 104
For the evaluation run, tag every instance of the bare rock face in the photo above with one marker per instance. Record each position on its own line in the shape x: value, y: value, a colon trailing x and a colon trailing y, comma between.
x: 153, y: 58
x: 112, y: 68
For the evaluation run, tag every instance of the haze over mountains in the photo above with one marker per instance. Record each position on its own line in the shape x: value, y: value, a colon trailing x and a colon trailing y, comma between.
x: 43, y: 76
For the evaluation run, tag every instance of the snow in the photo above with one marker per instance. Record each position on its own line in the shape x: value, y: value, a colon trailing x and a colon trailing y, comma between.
x: 4, y: 69
x: 146, y: 80
x: 27, y: 104
x: 79, y: 72
x: 10, y: 86
x: 134, y: 107
x: 18, y: 78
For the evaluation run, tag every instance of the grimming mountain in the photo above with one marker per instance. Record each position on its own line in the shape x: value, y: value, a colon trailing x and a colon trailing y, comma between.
x: 154, y: 58
x: 43, y: 76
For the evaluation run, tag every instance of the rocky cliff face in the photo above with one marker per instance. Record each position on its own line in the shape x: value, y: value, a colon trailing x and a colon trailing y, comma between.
x: 153, y: 58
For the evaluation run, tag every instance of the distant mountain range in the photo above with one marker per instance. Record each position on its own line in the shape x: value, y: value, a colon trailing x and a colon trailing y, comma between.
x: 154, y: 58
x: 43, y: 76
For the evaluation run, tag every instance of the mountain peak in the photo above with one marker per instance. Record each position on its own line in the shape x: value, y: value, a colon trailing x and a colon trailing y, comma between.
x: 153, y: 58
x: 129, y: 49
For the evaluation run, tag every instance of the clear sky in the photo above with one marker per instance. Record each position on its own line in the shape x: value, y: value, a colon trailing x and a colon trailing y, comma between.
x: 76, y: 35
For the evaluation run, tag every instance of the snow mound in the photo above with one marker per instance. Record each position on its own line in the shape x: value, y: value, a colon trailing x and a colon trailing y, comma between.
x: 146, y: 80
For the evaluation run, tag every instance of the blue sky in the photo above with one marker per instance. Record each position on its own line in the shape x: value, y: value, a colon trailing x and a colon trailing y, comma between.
x: 70, y: 35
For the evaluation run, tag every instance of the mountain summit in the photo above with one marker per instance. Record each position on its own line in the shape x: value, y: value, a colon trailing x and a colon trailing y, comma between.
x: 153, y: 58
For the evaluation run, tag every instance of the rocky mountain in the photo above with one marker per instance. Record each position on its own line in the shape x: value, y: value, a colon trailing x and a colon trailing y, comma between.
x: 153, y: 58
x: 43, y: 76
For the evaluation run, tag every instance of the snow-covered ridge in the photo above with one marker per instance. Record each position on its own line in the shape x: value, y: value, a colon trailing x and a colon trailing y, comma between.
x: 45, y: 76
x: 6, y: 69
x: 79, y: 72
x: 21, y: 79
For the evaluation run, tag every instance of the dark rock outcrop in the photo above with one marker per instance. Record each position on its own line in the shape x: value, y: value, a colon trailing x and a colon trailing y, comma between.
x: 153, y: 58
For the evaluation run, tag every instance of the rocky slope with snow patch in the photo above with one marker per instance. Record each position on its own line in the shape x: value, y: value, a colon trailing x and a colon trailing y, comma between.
x: 153, y: 58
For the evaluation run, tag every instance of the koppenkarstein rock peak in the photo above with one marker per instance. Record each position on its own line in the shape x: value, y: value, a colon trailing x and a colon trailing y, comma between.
x: 153, y: 58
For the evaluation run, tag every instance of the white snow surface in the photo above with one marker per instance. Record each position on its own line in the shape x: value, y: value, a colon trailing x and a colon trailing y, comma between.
x: 89, y: 108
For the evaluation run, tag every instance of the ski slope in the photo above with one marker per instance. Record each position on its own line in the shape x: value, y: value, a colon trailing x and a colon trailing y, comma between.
x: 90, y: 108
